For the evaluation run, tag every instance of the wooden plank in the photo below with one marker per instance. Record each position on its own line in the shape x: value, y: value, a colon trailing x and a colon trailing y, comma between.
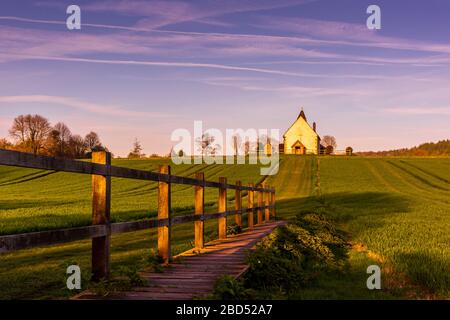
x: 28, y: 160
x: 266, y: 206
x: 222, y: 207
x: 250, y: 201
x: 35, y: 239
x: 195, y: 275
x: 259, y: 209
x: 130, y: 226
x: 101, y: 211
x: 120, y: 172
x: 164, y: 209
x: 238, y: 205
x: 153, y: 296
x: 198, y: 289
x: 199, y: 211
x: 272, y: 203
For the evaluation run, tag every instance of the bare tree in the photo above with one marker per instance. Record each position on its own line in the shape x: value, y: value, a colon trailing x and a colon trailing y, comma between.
x: 236, y: 144
x: 64, y: 135
x: 329, y: 141
x: 247, y: 147
x: 18, y: 129
x: 77, y: 147
x: 31, y: 131
x: 5, y: 144
x: 206, y: 144
x: 92, y: 141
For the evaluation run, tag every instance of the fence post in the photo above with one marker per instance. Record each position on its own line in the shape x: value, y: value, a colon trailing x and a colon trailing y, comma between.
x: 238, y: 204
x: 164, y: 213
x: 272, y: 202
x: 266, y: 204
x: 260, y: 204
x: 222, y: 222
x: 101, y: 211
x: 199, y: 210
x: 250, y: 201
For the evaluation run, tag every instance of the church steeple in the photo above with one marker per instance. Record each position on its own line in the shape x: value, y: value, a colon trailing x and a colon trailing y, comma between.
x: 302, y: 114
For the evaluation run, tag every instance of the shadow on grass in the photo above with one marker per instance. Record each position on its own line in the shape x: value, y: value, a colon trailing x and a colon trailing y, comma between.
x: 428, y: 270
x: 344, y: 207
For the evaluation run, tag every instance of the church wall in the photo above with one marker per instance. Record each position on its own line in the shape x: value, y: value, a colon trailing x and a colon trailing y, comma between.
x: 301, y: 130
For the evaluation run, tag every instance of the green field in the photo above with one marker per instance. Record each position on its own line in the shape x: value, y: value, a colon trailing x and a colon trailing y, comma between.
x: 395, y: 211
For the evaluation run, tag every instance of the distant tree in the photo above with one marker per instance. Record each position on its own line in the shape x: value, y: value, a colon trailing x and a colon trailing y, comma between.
x: 64, y: 136
x: 5, y: 144
x: 19, y: 129
x: 77, y: 147
x: 52, y: 143
x: 58, y: 141
x: 136, y: 152
x: 329, y: 141
x: 172, y: 154
x: 440, y: 148
x: 181, y: 153
x: 30, y: 132
x: 261, y: 143
x: 206, y: 144
x: 247, y: 146
x: 236, y: 144
x: 329, y: 150
x: 92, y: 142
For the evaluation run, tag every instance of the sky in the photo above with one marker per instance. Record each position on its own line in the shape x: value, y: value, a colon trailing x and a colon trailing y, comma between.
x: 142, y: 69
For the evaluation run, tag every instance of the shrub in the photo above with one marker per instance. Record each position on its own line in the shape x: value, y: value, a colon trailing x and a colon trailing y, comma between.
x: 293, y: 255
x: 234, y: 229
x: 228, y: 288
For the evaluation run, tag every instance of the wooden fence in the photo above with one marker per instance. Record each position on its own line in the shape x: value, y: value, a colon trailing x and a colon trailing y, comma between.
x: 101, y: 228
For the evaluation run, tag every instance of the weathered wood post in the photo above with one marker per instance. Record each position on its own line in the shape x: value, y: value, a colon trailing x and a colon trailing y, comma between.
x: 222, y: 222
x: 199, y: 210
x: 250, y: 201
x: 101, y: 211
x: 164, y: 213
x: 266, y: 204
x: 272, y: 202
x: 259, y: 218
x: 238, y: 204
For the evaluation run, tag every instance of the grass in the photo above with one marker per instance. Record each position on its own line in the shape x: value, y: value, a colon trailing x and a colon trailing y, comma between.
x: 398, y: 208
x: 395, y: 212
x: 36, y: 200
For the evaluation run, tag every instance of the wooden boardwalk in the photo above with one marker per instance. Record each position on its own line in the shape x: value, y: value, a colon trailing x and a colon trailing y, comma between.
x: 193, y: 275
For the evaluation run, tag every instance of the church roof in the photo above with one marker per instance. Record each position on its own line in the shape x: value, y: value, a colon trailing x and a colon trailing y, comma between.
x: 302, y: 114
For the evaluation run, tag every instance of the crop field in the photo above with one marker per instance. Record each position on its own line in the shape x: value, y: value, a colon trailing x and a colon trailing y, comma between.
x: 395, y: 211
x: 33, y: 200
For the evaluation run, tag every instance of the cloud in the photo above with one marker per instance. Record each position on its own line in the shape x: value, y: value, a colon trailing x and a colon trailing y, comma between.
x: 159, y: 13
x: 349, y: 34
x: 81, y: 105
x: 214, y: 66
x: 443, y: 111
x: 293, y: 91
x: 130, y: 40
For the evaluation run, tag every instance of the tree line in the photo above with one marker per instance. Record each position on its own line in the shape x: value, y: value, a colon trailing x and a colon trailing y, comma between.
x: 440, y: 148
x: 35, y: 134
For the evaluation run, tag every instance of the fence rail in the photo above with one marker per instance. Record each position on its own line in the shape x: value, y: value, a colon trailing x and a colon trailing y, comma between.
x: 101, y: 229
